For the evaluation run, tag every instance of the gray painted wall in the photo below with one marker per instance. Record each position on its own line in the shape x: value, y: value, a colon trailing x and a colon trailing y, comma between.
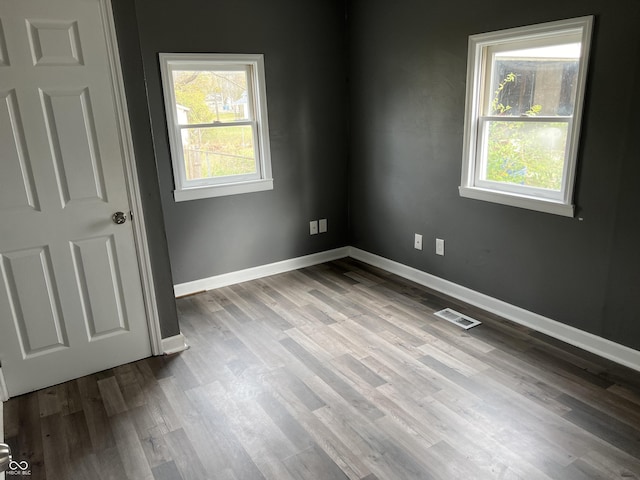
x: 304, y: 48
x: 399, y: 155
x: 131, y: 61
x: 407, y: 90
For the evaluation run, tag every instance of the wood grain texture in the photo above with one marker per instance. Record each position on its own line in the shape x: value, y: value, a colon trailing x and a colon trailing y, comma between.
x: 338, y: 371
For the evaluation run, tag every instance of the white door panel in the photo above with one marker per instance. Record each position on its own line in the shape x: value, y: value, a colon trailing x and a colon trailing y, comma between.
x: 95, y: 260
x: 17, y: 188
x: 34, y: 301
x: 71, y: 299
x: 72, y: 134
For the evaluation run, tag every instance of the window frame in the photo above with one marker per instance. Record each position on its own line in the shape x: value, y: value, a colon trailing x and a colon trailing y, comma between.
x: 481, y: 52
x: 253, y: 64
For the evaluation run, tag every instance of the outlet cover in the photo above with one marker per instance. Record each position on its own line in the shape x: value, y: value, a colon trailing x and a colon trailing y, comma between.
x: 439, y: 246
x: 417, y: 242
x: 322, y: 225
x: 313, y: 227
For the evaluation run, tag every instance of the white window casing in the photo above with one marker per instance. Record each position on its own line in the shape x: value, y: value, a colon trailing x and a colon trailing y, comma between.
x: 256, y: 119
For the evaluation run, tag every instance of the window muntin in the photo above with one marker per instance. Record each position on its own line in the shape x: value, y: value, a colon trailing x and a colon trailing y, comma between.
x: 216, y: 114
x: 523, y: 108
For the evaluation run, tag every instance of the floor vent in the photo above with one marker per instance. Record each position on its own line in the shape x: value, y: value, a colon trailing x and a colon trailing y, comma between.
x: 457, y: 318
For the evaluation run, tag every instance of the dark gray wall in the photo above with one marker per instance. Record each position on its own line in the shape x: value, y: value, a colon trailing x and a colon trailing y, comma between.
x: 304, y: 48
x: 131, y: 61
x: 401, y: 165
x: 623, y: 294
x: 407, y: 88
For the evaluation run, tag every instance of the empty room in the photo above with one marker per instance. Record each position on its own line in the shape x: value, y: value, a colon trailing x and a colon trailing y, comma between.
x: 319, y: 239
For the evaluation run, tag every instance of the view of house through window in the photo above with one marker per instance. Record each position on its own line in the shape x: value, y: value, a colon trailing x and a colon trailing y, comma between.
x: 215, y: 115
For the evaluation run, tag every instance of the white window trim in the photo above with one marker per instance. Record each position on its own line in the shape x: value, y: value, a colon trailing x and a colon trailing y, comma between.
x: 478, y: 44
x: 221, y: 186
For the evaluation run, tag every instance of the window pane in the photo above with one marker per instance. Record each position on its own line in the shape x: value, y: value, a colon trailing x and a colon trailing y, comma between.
x: 218, y: 151
x: 535, y: 81
x: 211, y: 96
x: 525, y: 153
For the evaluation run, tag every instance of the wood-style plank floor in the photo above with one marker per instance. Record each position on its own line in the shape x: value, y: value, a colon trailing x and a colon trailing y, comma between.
x: 332, y: 372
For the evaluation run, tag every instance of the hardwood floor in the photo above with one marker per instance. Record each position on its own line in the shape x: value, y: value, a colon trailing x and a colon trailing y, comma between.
x: 332, y: 372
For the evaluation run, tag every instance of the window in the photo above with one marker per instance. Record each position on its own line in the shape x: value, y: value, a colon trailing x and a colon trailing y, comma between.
x: 217, y: 119
x: 525, y: 89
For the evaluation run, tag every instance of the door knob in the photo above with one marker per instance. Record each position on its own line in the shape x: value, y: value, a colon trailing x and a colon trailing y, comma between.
x: 119, y: 218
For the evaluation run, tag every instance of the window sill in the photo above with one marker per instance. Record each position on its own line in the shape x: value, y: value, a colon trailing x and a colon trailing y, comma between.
x: 520, y: 201
x: 195, y: 193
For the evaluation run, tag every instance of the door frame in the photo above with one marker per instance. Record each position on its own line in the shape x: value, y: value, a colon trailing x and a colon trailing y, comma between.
x: 132, y: 179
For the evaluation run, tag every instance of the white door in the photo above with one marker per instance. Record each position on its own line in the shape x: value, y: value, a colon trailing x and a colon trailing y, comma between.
x: 70, y: 291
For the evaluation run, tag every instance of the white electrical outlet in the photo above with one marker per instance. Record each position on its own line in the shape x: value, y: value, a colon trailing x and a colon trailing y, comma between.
x: 439, y: 246
x: 417, y: 242
x: 313, y: 227
x: 322, y: 225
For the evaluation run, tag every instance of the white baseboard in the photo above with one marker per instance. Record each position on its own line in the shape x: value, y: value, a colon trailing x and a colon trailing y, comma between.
x: 592, y: 343
x: 254, y: 273
x: 175, y: 344
x: 587, y: 341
